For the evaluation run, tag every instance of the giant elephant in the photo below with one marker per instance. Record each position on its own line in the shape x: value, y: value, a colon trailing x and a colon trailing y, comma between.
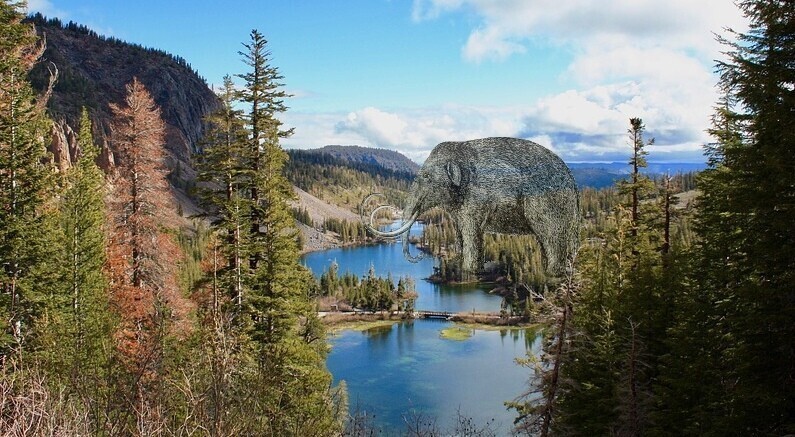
x: 502, y: 185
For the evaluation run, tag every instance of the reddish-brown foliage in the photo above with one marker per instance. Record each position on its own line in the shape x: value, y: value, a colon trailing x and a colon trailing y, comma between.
x: 142, y: 258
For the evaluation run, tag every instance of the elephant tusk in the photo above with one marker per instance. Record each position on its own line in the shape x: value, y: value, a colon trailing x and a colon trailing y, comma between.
x: 373, y: 217
x: 363, y: 205
x: 369, y: 225
x: 397, y: 232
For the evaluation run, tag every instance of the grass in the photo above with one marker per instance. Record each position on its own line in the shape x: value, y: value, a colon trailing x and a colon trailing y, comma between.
x: 492, y: 327
x: 357, y: 322
x: 457, y: 333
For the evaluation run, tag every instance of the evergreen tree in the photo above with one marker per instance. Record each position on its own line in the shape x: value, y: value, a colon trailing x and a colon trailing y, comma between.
x: 24, y: 178
x: 278, y: 363
x: 639, y: 185
x: 262, y: 92
x: 221, y: 166
x: 738, y: 320
x: 82, y: 213
x: 141, y: 255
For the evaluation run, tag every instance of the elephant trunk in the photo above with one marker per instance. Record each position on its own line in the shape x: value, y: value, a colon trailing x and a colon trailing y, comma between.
x: 402, y: 230
x: 410, y: 215
x: 414, y: 209
x: 407, y: 253
x: 369, y: 224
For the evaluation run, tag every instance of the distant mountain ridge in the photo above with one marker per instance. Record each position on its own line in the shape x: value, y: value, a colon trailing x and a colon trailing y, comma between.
x: 390, y: 163
x: 652, y: 167
x: 388, y: 159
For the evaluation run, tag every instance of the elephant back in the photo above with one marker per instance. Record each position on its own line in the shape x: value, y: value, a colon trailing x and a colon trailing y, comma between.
x: 519, y: 163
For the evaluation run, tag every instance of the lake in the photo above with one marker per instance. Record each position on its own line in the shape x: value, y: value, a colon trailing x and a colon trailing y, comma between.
x: 394, y: 370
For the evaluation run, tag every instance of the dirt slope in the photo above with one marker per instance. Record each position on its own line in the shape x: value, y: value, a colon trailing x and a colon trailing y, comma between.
x: 320, y: 210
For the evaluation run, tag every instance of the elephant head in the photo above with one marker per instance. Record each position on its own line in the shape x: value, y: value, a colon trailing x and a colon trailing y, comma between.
x: 442, y: 181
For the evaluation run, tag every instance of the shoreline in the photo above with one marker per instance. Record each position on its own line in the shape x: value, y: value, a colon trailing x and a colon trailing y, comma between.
x: 342, y: 321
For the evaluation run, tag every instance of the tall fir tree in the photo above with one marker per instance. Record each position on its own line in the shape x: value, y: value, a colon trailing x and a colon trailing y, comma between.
x: 262, y: 92
x: 221, y: 166
x: 279, y: 363
x: 639, y: 186
x: 141, y: 256
x: 24, y: 176
x: 737, y: 322
x: 74, y: 333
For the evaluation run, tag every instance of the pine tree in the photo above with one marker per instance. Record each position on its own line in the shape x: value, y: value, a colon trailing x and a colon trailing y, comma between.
x: 278, y: 367
x: 639, y: 186
x: 82, y: 214
x: 262, y: 92
x: 140, y: 254
x: 24, y: 179
x: 221, y: 165
x: 738, y: 320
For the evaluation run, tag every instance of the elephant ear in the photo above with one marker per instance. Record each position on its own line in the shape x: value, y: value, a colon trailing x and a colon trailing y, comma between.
x: 454, y: 173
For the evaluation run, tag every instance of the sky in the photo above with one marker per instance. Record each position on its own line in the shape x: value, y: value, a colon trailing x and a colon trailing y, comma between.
x: 408, y: 74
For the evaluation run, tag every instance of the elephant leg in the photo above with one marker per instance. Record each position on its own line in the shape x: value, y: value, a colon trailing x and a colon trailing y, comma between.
x: 550, y: 219
x: 459, y: 238
x: 471, y: 242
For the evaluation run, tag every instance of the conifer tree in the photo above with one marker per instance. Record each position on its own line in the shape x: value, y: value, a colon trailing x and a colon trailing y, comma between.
x: 273, y: 251
x: 263, y: 93
x: 140, y: 254
x: 742, y: 304
x: 221, y: 165
x: 82, y: 216
x: 24, y: 178
x: 639, y: 185
x: 279, y: 361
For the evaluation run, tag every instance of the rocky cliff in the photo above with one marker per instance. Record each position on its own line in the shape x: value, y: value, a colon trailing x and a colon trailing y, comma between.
x: 93, y: 71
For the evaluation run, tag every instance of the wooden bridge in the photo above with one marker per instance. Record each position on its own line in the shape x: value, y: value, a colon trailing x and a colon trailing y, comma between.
x: 445, y: 315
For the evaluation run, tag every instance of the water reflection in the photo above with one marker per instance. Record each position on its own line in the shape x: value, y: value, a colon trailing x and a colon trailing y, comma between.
x: 391, y: 370
x: 388, y: 258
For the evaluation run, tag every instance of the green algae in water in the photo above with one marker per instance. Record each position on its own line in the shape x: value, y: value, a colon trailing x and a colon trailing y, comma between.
x: 456, y: 333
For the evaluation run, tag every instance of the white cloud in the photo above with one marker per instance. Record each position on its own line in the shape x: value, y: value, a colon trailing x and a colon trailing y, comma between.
x: 629, y: 58
x: 488, y: 44
x: 413, y: 132
x: 675, y: 23
x: 46, y: 8
x: 591, y: 124
x: 579, y: 125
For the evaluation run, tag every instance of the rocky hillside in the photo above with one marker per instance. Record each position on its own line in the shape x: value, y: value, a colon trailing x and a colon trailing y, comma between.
x: 93, y: 71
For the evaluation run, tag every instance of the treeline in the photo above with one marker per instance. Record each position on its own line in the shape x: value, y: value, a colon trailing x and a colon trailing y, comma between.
x: 40, y: 20
x: 371, y: 293
x: 349, y: 232
x: 320, y: 158
x: 660, y: 335
x: 113, y: 321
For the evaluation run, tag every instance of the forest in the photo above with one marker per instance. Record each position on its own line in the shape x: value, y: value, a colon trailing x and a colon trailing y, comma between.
x: 677, y: 317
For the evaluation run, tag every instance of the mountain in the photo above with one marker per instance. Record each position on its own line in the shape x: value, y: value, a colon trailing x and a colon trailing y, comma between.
x: 93, y: 71
x: 594, y: 177
x: 387, y: 159
x: 344, y: 175
x: 652, y: 168
x: 605, y: 174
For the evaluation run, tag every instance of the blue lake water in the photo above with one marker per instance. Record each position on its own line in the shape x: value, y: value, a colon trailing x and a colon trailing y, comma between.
x: 393, y: 370
x: 407, y: 366
x: 388, y: 258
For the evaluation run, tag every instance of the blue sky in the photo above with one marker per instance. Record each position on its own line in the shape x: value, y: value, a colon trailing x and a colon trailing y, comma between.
x: 406, y: 75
